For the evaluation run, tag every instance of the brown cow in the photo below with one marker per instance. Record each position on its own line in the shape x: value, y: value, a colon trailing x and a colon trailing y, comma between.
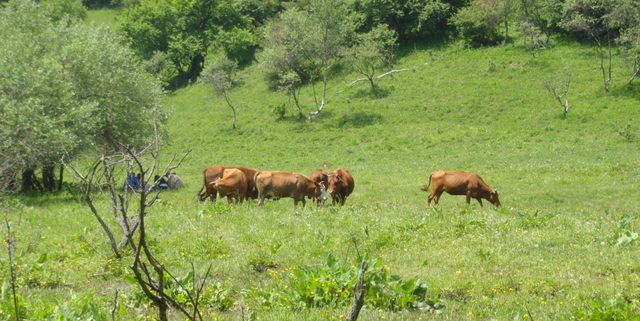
x: 232, y: 184
x: 340, y: 185
x: 287, y: 184
x: 322, y: 177
x: 213, y: 173
x: 460, y: 183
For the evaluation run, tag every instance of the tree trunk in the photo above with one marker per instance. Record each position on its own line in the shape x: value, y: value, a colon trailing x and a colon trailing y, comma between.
x: 60, y: 181
x: 507, y: 4
x: 29, y: 179
x: 48, y: 177
x: 295, y: 98
x: 359, y: 291
x: 324, y: 93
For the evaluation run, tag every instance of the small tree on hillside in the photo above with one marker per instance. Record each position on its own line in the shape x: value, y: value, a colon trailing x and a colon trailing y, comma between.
x: 589, y: 17
x: 283, y: 59
x: 558, y: 87
x: 329, y: 28
x: 220, y: 75
x: 626, y: 17
x: 374, y: 49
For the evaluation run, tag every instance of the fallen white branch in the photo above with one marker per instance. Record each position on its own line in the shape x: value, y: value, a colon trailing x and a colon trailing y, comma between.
x: 361, y: 79
x: 392, y: 71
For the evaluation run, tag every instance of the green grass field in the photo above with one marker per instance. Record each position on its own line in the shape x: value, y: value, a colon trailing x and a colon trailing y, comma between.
x: 566, y: 185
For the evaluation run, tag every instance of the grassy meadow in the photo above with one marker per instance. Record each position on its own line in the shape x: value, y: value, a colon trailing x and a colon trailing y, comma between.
x: 568, y: 186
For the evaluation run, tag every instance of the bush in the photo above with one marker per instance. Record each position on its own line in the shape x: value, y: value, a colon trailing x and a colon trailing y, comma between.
x: 331, y: 286
x: 61, y: 8
x: 477, y: 24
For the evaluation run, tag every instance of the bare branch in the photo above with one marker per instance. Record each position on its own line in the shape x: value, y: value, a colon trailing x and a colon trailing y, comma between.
x: 93, y: 248
x: 11, y: 241
x: 392, y: 71
x: 115, y: 306
x: 358, y: 294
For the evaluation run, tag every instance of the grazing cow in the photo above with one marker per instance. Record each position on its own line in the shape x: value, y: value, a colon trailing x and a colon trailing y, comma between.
x: 286, y: 184
x: 232, y: 184
x: 340, y: 185
x: 322, y: 177
x: 213, y: 173
x: 460, y: 183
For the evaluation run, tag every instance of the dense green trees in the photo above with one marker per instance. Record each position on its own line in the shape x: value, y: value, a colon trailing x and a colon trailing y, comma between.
x: 413, y: 20
x: 64, y: 83
x: 184, y: 31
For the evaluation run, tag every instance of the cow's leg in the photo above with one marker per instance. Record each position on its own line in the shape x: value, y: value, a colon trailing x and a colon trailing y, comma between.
x: 437, y: 198
x: 434, y: 195
x: 468, y: 197
x: 480, y: 201
x: 241, y: 199
x: 260, y: 198
x: 304, y: 202
x: 342, y: 199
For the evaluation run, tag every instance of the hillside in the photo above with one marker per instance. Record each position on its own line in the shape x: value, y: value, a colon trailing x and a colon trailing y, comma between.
x: 566, y: 185
x: 455, y: 109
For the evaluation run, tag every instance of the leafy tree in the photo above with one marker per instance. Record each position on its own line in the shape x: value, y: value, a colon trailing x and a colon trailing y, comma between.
x: 478, y: 23
x: 589, y: 17
x: 327, y: 33
x: 626, y: 17
x: 62, y: 82
x: 220, y: 75
x: 538, y: 20
x: 183, y: 30
x: 373, y: 49
x: 284, y: 59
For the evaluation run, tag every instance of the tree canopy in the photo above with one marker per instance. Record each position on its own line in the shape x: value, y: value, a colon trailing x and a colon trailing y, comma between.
x: 65, y: 83
x: 184, y: 31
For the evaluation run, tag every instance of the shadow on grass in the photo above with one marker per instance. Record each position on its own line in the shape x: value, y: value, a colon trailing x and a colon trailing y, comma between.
x: 372, y: 93
x: 359, y: 119
x: 626, y: 90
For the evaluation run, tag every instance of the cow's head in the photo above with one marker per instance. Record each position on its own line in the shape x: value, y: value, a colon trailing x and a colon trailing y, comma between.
x: 493, y: 197
x: 319, y: 191
x: 336, y: 183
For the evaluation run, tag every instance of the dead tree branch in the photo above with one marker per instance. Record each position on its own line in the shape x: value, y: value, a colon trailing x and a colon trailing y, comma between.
x: 115, y: 306
x: 93, y: 248
x: 10, y: 241
x: 554, y: 87
x: 392, y: 71
x: 358, y: 294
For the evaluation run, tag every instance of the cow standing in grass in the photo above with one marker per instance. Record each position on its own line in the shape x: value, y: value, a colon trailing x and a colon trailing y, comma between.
x: 287, y: 184
x: 340, y: 185
x: 460, y: 183
x: 232, y: 184
x: 211, y: 174
x: 321, y: 177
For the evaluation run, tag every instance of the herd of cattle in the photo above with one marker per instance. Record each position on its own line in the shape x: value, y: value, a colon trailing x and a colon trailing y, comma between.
x: 240, y: 182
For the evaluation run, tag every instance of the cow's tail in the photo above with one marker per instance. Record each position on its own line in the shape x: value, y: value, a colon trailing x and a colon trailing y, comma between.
x: 255, y: 179
x: 426, y: 188
x: 204, y: 186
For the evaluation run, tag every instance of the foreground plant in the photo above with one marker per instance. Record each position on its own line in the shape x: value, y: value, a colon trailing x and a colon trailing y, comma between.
x: 331, y: 286
x: 148, y: 272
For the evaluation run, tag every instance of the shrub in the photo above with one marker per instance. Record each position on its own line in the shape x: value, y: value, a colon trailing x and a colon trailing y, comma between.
x: 477, y: 24
x: 330, y: 286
